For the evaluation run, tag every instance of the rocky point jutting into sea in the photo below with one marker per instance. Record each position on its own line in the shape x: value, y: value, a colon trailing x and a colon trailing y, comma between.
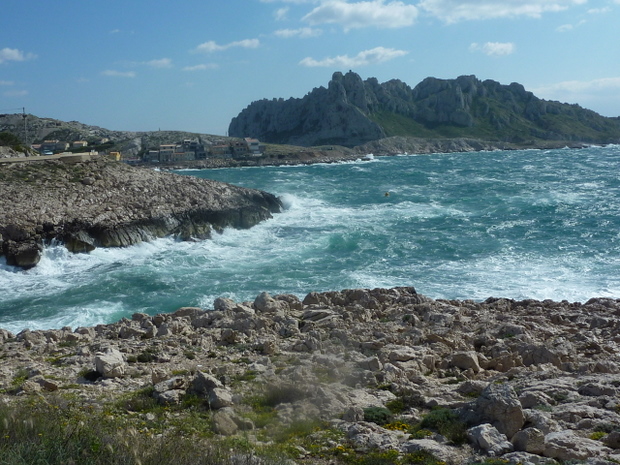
x: 100, y: 202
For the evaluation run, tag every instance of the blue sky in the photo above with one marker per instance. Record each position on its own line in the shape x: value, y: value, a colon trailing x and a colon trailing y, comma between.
x: 195, y: 64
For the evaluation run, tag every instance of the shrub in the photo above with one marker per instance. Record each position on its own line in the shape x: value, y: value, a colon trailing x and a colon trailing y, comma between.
x: 378, y: 415
x: 447, y: 423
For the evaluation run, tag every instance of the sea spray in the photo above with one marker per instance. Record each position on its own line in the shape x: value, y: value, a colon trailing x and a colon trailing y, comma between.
x: 520, y: 224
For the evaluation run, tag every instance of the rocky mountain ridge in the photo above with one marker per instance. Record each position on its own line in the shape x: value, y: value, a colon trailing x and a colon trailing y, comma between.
x: 105, y: 203
x: 354, y: 376
x: 352, y: 112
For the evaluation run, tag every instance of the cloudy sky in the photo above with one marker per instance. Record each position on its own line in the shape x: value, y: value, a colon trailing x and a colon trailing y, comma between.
x: 194, y: 64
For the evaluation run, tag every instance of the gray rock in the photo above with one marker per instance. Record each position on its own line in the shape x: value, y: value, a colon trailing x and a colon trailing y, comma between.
x: 530, y: 440
x: 465, y: 361
x: 223, y: 424
x: 204, y: 382
x: 525, y: 458
x: 489, y: 439
x: 111, y: 363
x: 124, y: 206
x: 220, y: 398
x: 264, y: 303
x: 567, y: 445
x: 612, y: 440
x: 498, y: 404
x: 172, y: 397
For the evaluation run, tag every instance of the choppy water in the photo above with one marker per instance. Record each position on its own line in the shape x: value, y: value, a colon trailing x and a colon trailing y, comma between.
x: 521, y: 224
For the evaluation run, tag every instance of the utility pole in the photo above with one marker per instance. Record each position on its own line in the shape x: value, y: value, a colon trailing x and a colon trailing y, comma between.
x: 24, y: 117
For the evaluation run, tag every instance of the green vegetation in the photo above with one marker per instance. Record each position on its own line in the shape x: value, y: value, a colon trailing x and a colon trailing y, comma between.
x: 57, y: 431
x: 378, y: 415
x: 445, y: 422
x: 11, y: 140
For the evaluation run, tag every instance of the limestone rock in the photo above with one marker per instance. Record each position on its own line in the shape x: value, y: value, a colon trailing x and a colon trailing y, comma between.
x: 566, y: 445
x: 530, y: 440
x: 489, y: 439
x: 111, y: 363
x: 499, y: 405
x: 465, y: 361
x: 220, y: 398
x: 342, y: 113
x: 124, y: 206
x: 223, y: 424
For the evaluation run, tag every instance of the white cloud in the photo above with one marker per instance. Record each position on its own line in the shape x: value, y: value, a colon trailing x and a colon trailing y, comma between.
x: 366, y: 57
x: 280, y: 13
x: 212, y: 46
x: 7, y: 83
x: 160, y: 63
x: 596, y: 11
x: 201, y: 67
x: 594, y: 85
x: 602, y: 95
x: 114, y: 73
x: 115, y: 31
x: 452, y: 11
x: 374, y: 13
x: 569, y: 27
x: 494, y: 48
x: 13, y: 54
x: 304, y: 33
x: 15, y: 93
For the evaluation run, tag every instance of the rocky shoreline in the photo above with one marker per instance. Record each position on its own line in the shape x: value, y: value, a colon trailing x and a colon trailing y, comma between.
x: 105, y: 203
x: 377, y: 373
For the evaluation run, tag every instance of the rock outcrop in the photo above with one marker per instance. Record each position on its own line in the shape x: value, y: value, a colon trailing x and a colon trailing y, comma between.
x: 353, y: 112
x: 382, y: 371
x: 101, y: 203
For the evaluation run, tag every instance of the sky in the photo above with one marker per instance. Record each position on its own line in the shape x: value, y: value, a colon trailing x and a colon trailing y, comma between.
x: 193, y: 65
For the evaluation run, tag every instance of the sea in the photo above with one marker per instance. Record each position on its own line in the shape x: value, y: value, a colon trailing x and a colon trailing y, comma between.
x: 524, y: 224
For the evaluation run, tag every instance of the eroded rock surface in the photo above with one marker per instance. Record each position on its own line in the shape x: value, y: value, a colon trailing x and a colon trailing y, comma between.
x: 530, y: 381
x: 101, y: 203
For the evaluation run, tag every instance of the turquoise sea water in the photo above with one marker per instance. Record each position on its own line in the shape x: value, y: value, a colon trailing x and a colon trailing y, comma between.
x: 519, y: 224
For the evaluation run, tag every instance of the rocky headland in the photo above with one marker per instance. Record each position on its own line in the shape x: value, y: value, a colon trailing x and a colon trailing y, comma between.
x: 102, y: 203
x: 352, y: 112
x: 355, y: 376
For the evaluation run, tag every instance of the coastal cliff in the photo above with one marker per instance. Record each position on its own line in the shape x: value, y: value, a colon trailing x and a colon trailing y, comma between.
x: 352, y: 112
x: 101, y: 203
x: 355, y: 376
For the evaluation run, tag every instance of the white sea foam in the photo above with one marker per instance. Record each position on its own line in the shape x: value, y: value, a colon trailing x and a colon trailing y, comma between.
x: 546, y: 232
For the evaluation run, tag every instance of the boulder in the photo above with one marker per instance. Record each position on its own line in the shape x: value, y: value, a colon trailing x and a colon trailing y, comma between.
x: 110, y: 363
x: 264, y: 303
x: 489, y: 439
x: 223, y: 424
x: 612, y: 440
x: 499, y: 405
x: 220, y: 398
x: 204, y: 382
x: 465, y: 361
x: 22, y: 254
x: 530, y: 440
x: 567, y: 445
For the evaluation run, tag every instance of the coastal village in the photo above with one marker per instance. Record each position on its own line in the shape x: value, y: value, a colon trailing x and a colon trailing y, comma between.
x: 186, y: 150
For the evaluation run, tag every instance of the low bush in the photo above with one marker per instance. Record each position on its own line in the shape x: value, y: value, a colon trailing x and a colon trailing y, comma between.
x: 447, y: 423
x: 379, y: 415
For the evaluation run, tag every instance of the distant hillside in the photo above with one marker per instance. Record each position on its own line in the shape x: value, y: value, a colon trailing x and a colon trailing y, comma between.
x: 130, y: 143
x: 352, y: 112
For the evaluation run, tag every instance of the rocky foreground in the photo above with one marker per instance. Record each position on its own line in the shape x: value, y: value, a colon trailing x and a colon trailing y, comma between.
x: 101, y: 203
x: 384, y: 373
